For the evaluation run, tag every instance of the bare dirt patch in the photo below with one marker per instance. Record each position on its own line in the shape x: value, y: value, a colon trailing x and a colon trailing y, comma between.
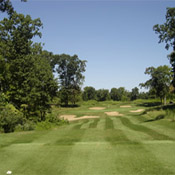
x: 138, y: 110
x: 73, y: 117
x: 126, y: 106
x: 97, y: 108
x: 113, y: 114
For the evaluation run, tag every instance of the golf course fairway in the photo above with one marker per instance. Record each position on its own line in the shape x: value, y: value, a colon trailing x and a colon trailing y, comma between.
x: 122, y: 145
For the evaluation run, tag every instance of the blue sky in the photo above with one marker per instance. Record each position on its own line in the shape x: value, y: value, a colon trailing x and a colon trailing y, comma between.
x: 115, y: 37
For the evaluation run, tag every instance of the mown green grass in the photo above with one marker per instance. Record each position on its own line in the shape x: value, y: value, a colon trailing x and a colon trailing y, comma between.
x: 130, y: 144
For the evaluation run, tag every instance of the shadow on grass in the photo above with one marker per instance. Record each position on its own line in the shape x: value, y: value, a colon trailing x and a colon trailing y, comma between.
x: 159, y: 117
x: 150, y: 104
x: 70, y: 106
x: 169, y: 106
x: 160, y: 107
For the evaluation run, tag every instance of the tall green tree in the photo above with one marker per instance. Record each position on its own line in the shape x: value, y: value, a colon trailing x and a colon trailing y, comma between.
x: 114, y: 94
x: 5, y: 75
x: 102, y: 95
x: 70, y: 70
x: 53, y: 59
x: 16, y: 34
x: 89, y: 93
x: 166, y: 34
x: 119, y: 94
x: 34, y: 86
x: 134, y: 93
x: 26, y: 76
x: 160, y: 81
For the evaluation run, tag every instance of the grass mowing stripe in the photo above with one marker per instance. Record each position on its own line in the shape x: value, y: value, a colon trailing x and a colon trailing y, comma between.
x: 155, y: 135
x: 164, y: 152
x: 86, y: 124
x: 92, y: 155
x: 80, y: 124
x: 91, y: 159
x: 71, y: 137
x: 101, y: 124
x: 165, y: 130
x: 94, y: 124
x: 136, y: 160
x: 114, y: 136
x: 131, y: 157
x: 168, y: 124
x: 35, y: 158
x: 20, y: 137
x: 44, y: 158
x: 132, y: 135
x: 109, y: 123
x: 161, y: 129
x: 41, y: 160
x: 55, y: 134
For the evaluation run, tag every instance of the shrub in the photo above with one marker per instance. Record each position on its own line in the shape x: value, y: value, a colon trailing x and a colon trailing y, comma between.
x: 90, y: 103
x: 52, y: 120
x: 171, y: 114
x: 27, y: 126
x: 44, y: 125
x: 3, y: 99
x: 10, y: 117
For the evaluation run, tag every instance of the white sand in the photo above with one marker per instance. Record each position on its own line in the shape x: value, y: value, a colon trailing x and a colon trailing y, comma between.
x: 73, y: 117
x: 138, y: 110
x: 113, y: 114
x: 97, y: 108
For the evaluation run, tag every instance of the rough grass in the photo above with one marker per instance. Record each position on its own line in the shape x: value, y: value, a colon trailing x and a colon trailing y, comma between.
x: 134, y: 143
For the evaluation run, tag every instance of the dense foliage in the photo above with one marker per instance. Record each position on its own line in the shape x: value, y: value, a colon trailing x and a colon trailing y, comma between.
x: 102, y: 95
x: 166, y: 34
x: 160, y: 81
x: 115, y: 94
x: 70, y: 69
x: 134, y: 93
x: 27, y: 82
x: 119, y: 94
x: 89, y: 93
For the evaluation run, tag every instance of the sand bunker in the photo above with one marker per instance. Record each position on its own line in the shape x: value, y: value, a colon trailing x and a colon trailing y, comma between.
x: 97, y: 108
x: 125, y: 106
x: 68, y: 117
x: 113, y: 114
x: 73, y: 117
x: 138, y: 110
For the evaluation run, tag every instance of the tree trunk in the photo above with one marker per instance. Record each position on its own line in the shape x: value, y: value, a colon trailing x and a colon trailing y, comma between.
x: 165, y: 100
x: 66, y: 101
x: 43, y: 115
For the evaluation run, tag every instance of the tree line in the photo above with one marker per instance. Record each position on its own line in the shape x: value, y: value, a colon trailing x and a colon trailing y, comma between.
x: 115, y: 94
